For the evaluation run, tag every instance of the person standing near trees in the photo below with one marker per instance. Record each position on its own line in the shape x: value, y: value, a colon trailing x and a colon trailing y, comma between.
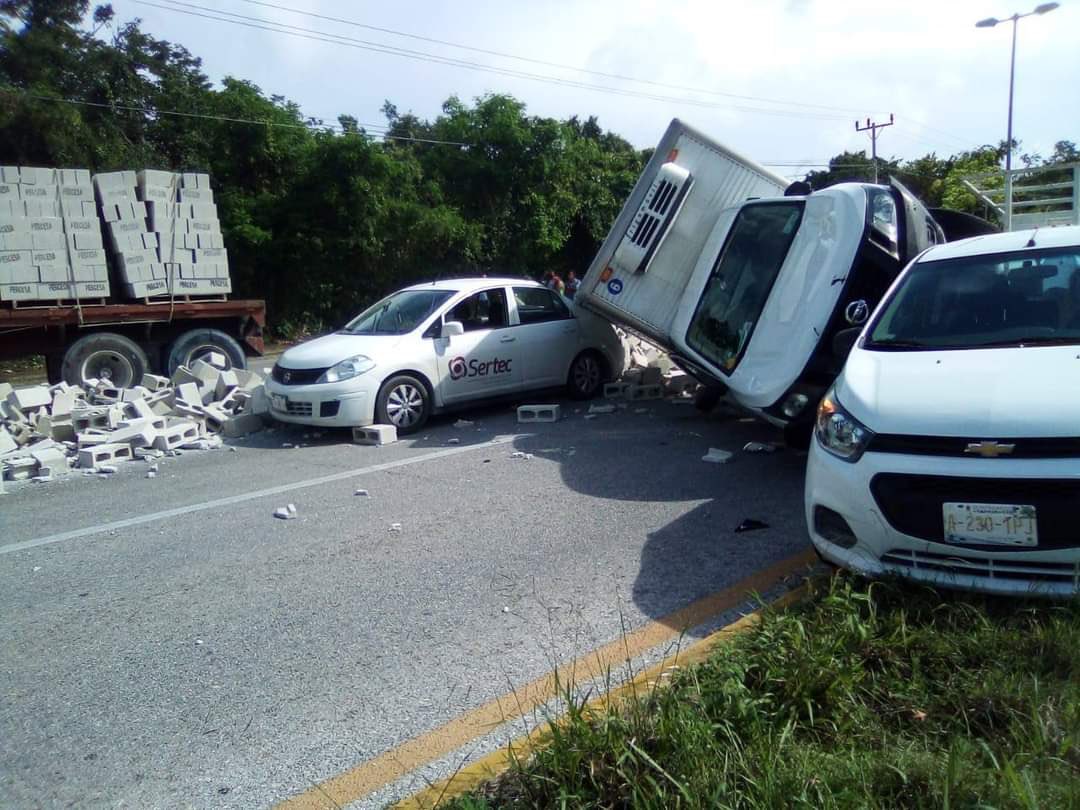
x: 572, y: 284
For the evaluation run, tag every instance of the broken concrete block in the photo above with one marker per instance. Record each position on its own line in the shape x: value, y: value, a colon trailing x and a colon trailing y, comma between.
x: 259, y: 403
x: 102, y: 454
x: 375, y: 435
x: 107, y: 395
x: 138, y: 432
x: 717, y: 456
x: 92, y: 438
x: 189, y: 393
x: 651, y: 376
x: 249, y: 380
x: 51, y: 462
x: 183, y: 375
x: 155, y: 382
x: 227, y: 381
x: 133, y: 394
x: 28, y: 399
x: 206, y: 373
x: 62, y: 430
x: 216, y: 417
x: 64, y: 402
x: 615, y: 390
x: 87, y: 418
x: 539, y: 413
x: 20, y: 468
x: 218, y: 360
x: 7, y: 443
x: 242, y: 424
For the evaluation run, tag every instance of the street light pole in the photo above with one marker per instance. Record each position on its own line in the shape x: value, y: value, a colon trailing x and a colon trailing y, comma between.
x: 990, y: 22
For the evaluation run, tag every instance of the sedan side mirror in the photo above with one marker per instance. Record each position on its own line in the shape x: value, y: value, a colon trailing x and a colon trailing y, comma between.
x: 844, y: 341
x: 452, y: 328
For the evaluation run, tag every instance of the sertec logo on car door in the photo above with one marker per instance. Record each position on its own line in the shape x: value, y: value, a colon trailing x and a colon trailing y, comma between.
x: 460, y: 368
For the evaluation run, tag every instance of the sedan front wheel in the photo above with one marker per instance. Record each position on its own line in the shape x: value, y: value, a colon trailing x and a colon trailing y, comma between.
x: 403, y: 402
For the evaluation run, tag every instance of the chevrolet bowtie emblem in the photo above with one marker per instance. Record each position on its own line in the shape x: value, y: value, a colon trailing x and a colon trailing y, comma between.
x: 989, y: 449
x: 288, y: 377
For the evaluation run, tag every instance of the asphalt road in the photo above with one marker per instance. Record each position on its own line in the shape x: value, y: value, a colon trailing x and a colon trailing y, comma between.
x: 168, y: 643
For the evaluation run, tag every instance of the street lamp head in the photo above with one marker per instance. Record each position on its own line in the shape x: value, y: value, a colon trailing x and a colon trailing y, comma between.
x: 1045, y: 7
x: 989, y: 22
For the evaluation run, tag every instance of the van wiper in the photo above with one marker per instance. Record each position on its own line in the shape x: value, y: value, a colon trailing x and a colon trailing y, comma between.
x: 895, y: 343
x: 1034, y: 341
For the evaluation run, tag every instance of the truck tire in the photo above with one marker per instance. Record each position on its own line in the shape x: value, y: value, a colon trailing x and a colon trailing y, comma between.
x: 707, y: 398
x: 197, y: 343
x: 104, y: 356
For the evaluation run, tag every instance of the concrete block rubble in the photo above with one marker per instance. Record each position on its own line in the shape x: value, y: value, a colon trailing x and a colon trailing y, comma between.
x: 650, y: 374
x: 48, y: 431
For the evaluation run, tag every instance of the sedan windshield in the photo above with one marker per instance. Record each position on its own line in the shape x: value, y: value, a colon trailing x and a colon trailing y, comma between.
x: 397, y: 314
x: 741, y: 280
x: 1001, y: 299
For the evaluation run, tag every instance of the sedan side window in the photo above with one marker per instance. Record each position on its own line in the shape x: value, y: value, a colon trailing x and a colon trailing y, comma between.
x: 484, y: 310
x: 538, y: 305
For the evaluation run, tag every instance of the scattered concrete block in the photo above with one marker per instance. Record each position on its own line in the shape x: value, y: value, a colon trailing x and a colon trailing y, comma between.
x: 243, y: 424
x: 190, y: 393
x: 19, y: 468
x: 92, y: 457
x: 176, y: 434
x: 7, y: 443
x: 183, y: 375
x: 259, y: 404
x: 64, y: 402
x: 28, y: 399
x: 636, y: 393
x: 138, y: 432
x: 615, y: 390
x: 92, y: 438
x: 218, y: 360
x: 154, y: 382
x: 539, y: 413
x: 375, y: 435
x: 651, y: 376
x: 51, y: 461
x: 134, y: 394
x: 227, y: 381
x: 107, y: 395
x: 716, y: 456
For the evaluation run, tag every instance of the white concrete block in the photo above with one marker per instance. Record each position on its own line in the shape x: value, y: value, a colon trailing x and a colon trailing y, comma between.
x: 26, y: 399
x: 7, y: 443
x: 103, y: 454
x: 243, y: 424
x: 155, y: 382
x: 539, y: 413
x: 176, y: 434
x: 636, y: 393
x: 227, y: 381
x: 375, y: 435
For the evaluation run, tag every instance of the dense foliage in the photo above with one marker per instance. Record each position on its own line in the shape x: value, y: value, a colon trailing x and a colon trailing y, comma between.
x: 321, y: 218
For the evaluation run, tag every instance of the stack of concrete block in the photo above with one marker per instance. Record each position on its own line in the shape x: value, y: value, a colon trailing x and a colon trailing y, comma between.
x: 650, y: 374
x: 183, y: 216
x: 134, y: 249
x: 45, y: 431
x: 50, y: 236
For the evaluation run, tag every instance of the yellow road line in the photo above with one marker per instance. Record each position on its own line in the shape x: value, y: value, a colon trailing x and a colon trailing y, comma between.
x: 497, y: 762
x: 394, y: 763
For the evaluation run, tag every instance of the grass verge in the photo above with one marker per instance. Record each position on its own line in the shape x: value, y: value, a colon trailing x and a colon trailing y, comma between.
x: 867, y: 695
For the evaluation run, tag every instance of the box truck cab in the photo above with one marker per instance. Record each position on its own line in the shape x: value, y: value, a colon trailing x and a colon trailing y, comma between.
x: 749, y: 297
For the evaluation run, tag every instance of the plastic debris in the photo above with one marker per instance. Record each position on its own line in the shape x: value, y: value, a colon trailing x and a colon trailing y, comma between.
x: 361, y: 492
x: 760, y: 447
x: 751, y: 525
x: 717, y: 456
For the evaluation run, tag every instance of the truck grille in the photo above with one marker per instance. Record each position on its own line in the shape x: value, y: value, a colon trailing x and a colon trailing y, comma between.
x: 296, y: 376
x: 912, y: 504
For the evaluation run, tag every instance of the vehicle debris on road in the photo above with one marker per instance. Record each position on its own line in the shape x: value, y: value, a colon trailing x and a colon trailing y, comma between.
x: 717, y: 456
x: 760, y: 447
x: 751, y: 525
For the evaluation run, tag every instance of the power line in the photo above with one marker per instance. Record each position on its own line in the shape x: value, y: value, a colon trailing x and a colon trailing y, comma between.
x: 339, y: 39
x: 223, y: 118
x: 561, y: 66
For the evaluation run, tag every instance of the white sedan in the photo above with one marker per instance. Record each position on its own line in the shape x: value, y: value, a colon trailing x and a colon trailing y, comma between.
x: 949, y: 448
x: 437, y: 346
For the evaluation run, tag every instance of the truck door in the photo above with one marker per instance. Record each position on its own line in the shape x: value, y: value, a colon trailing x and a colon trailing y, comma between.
x: 918, y: 229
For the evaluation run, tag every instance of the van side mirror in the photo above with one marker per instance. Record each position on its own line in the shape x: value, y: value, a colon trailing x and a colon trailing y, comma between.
x: 844, y: 341
x: 452, y: 328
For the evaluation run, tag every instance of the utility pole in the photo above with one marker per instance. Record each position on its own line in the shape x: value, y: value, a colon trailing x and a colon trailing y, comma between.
x: 872, y: 128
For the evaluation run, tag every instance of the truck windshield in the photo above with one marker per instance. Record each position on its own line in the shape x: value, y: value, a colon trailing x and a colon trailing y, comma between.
x: 1001, y: 299
x: 397, y: 314
x: 741, y: 279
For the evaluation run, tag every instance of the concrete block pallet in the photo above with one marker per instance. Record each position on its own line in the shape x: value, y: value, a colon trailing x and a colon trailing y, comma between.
x: 50, y: 237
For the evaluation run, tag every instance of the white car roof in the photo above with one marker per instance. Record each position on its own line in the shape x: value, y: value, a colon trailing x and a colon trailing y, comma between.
x: 470, y: 284
x: 1065, y: 236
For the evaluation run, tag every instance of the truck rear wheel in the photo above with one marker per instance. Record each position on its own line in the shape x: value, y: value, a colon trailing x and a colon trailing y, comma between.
x: 104, y: 356
x: 199, y: 343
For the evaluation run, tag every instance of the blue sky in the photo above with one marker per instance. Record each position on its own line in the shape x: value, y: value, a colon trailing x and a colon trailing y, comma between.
x: 781, y: 81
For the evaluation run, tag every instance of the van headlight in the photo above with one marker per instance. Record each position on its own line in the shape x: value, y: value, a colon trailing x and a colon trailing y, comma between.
x: 347, y: 369
x: 839, y: 432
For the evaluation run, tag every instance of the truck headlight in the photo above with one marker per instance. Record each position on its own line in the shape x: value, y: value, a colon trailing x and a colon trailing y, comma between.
x: 347, y: 369
x: 839, y: 432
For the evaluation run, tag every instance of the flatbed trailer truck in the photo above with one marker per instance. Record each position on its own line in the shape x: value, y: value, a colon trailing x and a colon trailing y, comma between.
x: 122, y: 341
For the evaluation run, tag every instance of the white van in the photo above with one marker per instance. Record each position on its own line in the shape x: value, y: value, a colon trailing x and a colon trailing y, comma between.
x: 748, y: 300
x: 949, y: 448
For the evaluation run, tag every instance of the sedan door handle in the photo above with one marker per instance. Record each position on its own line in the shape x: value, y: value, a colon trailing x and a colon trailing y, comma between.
x: 507, y: 339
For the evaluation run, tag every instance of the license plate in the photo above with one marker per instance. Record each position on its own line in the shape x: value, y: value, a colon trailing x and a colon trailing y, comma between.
x: 279, y: 403
x: 991, y: 524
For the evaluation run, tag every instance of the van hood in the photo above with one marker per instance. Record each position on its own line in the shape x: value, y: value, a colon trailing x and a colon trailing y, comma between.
x: 979, y: 393
x: 328, y: 350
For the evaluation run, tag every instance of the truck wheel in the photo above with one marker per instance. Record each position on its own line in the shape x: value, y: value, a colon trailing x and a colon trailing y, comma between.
x: 104, y: 356
x: 198, y: 343
x: 707, y: 398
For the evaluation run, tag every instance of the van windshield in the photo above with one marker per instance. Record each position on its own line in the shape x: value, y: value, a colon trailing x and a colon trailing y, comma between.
x: 397, y: 314
x: 1001, y: 299
x: 741, y: 280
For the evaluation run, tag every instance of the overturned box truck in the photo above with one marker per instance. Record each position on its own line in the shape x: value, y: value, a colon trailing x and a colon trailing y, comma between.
x: 745, y: 287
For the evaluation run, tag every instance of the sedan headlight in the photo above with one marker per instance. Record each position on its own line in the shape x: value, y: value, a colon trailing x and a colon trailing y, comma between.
x: 347, y: 369
x: 839, y: 432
